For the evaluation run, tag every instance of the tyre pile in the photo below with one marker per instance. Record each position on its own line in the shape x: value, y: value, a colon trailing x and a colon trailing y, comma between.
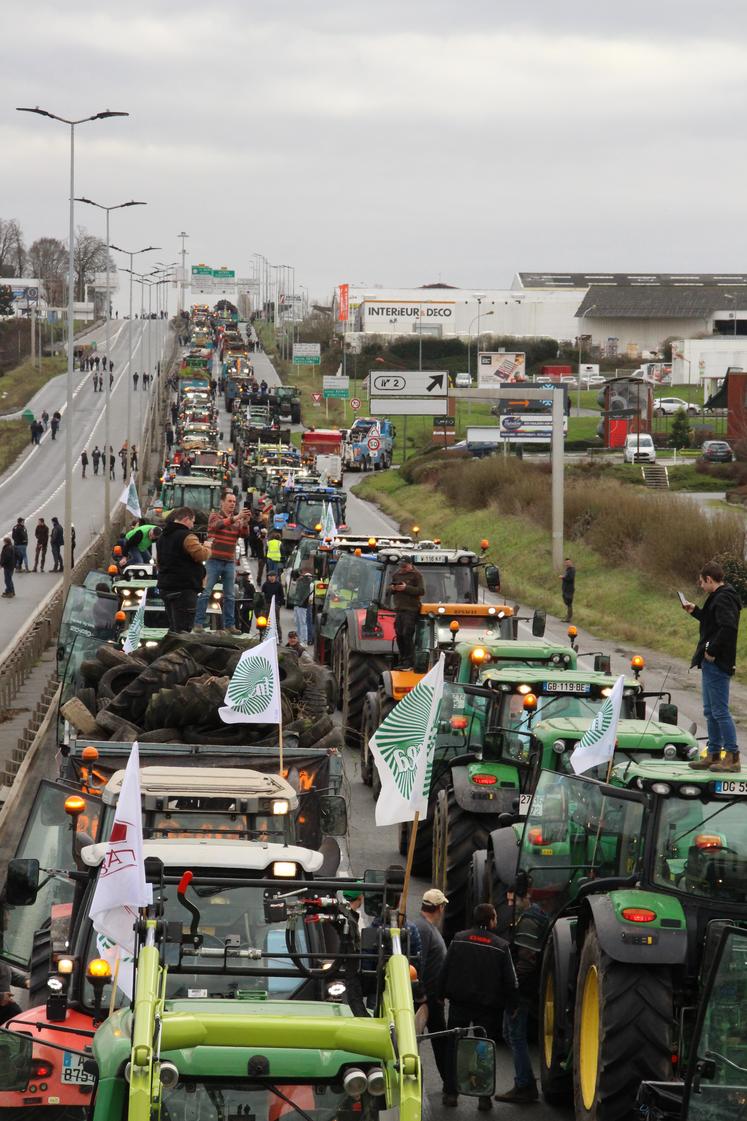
x: 171, y: 693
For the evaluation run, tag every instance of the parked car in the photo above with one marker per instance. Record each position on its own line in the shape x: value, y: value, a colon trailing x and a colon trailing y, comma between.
x: 639, y: 448
x: 717, y: 451
x: 462, y: 381
x: 668, y: 406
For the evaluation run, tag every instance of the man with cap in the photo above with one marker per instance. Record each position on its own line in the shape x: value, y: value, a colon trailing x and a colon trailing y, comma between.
x: 432, y: 958
x: 407, y: 590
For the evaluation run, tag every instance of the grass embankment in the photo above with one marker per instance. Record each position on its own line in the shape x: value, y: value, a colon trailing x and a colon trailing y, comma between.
x: 14, y: 438
x: 19, y: 385
x: 626, y: 581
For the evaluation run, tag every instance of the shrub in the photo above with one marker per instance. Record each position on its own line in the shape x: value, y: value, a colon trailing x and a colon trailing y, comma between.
x: 679, y: 433
x: 735, y: 571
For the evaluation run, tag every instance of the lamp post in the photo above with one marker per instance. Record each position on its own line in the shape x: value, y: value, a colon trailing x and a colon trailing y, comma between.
x: 580, y: 344
x: 469, y: 339
x: 183, y: 252
x: 734, y: 305
x: 68, y: 514
x: 131, y: 253
x: 107, y: 380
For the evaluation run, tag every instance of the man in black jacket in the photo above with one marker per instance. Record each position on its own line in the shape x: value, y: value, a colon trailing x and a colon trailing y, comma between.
x: 715, y: 656
x: 479, y: 981
x: 181, y: 568
x: 407, y: 590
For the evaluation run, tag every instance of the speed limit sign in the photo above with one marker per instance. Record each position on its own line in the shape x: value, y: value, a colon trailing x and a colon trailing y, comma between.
x: 355, y: 403
x: 374, y: 444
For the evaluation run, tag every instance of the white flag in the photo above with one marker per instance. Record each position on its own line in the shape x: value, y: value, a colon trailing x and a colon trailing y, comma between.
x: 271, y: 630
x: 132, y: 638
x: 121, y: 888
x: 597, y: 745
x: 253, y: 694
x: 130, y: 499
x: 329, y: 527
x: 402, y: 747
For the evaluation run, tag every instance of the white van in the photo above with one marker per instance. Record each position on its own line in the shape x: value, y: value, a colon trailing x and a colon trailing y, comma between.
x: 639, y: 448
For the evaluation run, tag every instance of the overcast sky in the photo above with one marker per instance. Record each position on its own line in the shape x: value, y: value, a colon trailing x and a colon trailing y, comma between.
x: 391, y: 143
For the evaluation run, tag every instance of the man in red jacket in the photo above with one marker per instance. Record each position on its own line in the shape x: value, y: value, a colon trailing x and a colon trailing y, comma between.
x: 224, y: 529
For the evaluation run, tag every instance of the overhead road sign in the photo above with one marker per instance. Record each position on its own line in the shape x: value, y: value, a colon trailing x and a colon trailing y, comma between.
x: 409, y: 406
x: 409, y: 383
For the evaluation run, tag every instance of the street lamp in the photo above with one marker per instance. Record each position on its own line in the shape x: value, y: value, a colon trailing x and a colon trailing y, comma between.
x: 132, y: 253
x: 107, y: 379
x: 182, y: 281
x: 580, y: 343
x: 469, y: 339
x: 68, y: 515
x: 734, y: 313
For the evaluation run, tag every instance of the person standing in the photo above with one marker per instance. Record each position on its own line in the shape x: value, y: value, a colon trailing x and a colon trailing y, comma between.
x: 72, y: 546
x: 96, y: 459
x: 135, y: 380
x: 45, y: 419
x: 181, y: 568
x: 715, y: 656
x: 41, y: 533
x: 432, y: 958
x: 55, y: 424
x: 123, y: 460
x: 568, y: 587
x: 169, y: 437
x: 274, y: 554
x: 272, y: 589
x: 225, y: 527
x: 57, y: 540
x: 8, y: 562
x: 479, y: 981
x: 407, y: 590
x: 133, y: 458
x: 20, y: 537
x: 302, y: 592
x: 112, y: 463
x: 84, y: 461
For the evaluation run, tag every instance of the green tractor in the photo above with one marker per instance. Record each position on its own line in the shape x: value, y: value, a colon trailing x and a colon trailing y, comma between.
x: 285, y: 403
x: 533, y: 716
x: 622, y: 892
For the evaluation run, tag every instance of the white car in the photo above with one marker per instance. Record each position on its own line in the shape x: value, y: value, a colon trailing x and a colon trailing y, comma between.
x: 668, y: 406
x: 463, y: 381
x: 639, y: 448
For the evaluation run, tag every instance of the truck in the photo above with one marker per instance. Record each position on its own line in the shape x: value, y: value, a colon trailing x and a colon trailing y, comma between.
x: 320, y: 441
x: 369, y: 444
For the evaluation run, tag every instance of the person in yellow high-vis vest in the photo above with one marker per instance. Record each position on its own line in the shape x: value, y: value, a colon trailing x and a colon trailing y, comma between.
x: 274, y: 554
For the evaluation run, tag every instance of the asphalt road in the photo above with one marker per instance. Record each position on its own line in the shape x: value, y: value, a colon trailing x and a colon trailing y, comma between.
x: 34, y: 486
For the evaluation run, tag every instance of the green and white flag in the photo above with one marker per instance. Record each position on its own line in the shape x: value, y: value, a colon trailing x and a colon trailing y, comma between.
x: 597, y: 745
x: 329, y: 527
x: 271, y: 630
x: 253, y: 694
x: 132, y: 638
x: 402, y: 747
x: 129, y: 498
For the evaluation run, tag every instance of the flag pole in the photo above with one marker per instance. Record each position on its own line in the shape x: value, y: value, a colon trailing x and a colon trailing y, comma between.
x: 114, y: 983
x: 408, y: 870
x: 280, y: 736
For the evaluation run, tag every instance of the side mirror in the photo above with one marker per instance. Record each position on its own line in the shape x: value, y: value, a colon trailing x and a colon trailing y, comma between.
x: 492, y: 577
x: 22, y: 884
x: 668, y: 714
x: 539, y: 622
x: 334, y: 815
x: 475, y: 1066
x: 602, y: 663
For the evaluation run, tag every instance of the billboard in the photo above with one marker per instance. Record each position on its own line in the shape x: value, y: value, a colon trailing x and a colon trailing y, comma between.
x: 500, y: 367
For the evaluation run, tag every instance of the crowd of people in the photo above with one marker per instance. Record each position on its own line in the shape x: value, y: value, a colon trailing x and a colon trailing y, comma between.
x: 14, y: 556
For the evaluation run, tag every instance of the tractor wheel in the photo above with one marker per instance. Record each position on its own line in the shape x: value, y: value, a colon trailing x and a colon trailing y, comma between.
x: 360, y: 675
x: 423, y: 855
x: 370, y: 721
x: 295, y: 412
x: 622, y: 1033
x: 557, y: 1082
x: 478, y: 890
x: 386, y: 706
x: 456, y: 835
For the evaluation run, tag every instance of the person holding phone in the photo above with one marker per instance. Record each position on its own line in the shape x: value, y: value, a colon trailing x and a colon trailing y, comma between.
x: 715, y: 656
x: 407, y: 590
x: 225, y: 527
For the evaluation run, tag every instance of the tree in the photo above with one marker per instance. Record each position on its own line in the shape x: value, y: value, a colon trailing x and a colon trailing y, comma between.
x: 6, y: 299
x: 89, y: 257
x: 47, y: 260
x: 679, y: 433
x: 12, y: 252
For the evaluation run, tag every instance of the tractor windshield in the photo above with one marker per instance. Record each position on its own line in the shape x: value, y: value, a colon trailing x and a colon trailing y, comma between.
x: 227, y: 1099
x: 576, y: 830
x: 701, y: 848
x: 519, y: 720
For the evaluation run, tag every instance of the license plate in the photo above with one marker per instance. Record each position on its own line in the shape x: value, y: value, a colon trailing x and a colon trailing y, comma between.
x: 525, y: 801
x: 566, y: 687
x: 72, y: 1070
x: 736, y: 787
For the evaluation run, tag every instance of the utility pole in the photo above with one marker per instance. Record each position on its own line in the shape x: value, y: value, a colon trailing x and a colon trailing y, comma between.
x: 183, y: 251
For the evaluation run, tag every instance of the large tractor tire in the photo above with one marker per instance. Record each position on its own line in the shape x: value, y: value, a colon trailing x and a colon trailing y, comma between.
x: 295, y: 412
x: 360, y: 675
x: 457, y: 834
x: 386, y: 704
x: 423, y: 854
x: 556, y: 1079
x: 370, y: 720
x: 622, y: 1033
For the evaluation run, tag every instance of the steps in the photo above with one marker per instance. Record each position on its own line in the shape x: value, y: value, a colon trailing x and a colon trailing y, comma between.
x: 30, y: 706
x: 655, y: 475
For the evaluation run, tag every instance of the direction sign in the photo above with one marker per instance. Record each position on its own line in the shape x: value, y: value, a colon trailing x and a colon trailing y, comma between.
x: 409, y: 406
x: 374, y: 443
x: 409, y: 383
x: 335, y: 381
x: 355, y: 403
x: 340, y: 394
x: 306, y: 354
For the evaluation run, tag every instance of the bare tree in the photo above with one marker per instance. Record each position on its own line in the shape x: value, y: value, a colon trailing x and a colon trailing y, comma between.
x: 47, y: 259
x: 12, y: 252
x: 89, y: 257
